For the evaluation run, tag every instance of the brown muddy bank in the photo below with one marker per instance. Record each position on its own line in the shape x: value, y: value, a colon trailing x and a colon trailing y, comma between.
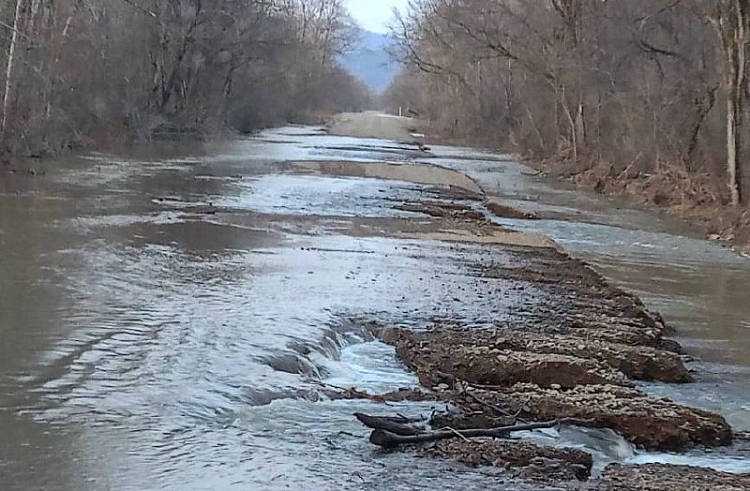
x: 576, y: 354
x: 658, y: 477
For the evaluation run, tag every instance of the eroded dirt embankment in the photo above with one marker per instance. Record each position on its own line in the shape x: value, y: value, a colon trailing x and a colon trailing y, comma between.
x: 575, y: 353
x: 457, y: 219
x: 430, y: 175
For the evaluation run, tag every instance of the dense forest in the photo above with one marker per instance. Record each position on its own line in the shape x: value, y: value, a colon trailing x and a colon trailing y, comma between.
x: 82, y: 73
x: 644, y: 94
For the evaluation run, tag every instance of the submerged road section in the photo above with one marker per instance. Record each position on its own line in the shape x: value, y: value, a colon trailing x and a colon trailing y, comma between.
x: 202, y: 317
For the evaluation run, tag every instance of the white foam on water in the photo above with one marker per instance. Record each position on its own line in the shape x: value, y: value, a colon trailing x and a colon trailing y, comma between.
x: 724, y: 463
x: 372, y: 367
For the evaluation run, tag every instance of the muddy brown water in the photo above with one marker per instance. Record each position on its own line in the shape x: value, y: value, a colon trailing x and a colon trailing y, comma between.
x: 169, y: 315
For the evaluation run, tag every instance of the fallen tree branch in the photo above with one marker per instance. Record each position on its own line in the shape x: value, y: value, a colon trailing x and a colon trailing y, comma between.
x: 386, y: 439
x: 397, y: 426
x: 532, y: 174
x: 495, y: 408
x: 458, y: 433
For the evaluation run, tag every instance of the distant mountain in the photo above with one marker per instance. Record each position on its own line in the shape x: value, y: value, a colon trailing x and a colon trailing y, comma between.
x: 369, y: 61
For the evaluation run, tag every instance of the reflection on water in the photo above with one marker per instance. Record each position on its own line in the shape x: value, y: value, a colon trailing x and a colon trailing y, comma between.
x: 149, y: 342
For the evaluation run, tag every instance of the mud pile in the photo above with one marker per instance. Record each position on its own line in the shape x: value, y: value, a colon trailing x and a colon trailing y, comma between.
x: 650, y: 423
x: 459, y: 210
x: 657, y: 477
x: 483, y: 360
x: 520, y: 459
x: 504, y: 357
x: 502, y: 210
x: 438, y: 209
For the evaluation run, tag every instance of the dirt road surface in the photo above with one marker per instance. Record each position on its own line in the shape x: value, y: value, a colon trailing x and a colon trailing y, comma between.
x: 373, y: 125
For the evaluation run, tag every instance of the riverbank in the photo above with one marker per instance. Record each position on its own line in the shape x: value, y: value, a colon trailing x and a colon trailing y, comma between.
x: 699, y: 200
x: 33, y: 159
x: 695, y: 198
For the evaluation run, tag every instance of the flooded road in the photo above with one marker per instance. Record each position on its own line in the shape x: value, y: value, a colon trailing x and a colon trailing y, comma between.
x: 173, y: 318
x: 700, y: 287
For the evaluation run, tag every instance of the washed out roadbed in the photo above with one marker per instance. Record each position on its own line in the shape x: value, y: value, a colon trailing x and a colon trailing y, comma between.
x: 570, y: 354
x: 574, y: 356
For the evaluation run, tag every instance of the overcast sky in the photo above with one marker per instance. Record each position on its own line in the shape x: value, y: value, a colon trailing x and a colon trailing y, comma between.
x: 374, y: 15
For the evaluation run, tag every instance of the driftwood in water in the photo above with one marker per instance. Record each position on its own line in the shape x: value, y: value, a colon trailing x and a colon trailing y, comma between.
x: 397, y: 426
x: 387, y: 439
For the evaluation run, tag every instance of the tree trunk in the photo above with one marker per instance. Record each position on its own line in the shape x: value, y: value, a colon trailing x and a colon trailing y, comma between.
x: 733, y: 144
x: 731, y: 21
x: 735, y: 172
x: 387, y: 439
x: 736, y: 81
x: 9, y: 68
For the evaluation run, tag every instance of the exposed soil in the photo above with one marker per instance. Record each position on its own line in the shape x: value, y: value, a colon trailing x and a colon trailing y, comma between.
x: 440, y: 228
x: 459, y: 205
x: 575, y: 354
x: 372, y: 125
x: 482, y: 361
x: 442, y: 210
x: 521, y: 459
x: 699, y: 199
x: 502, y: 210
x: 577, y: 300
x: 650, y: 423
x: 658, y: 477
x: 430, y: 175
x: 511, y: 356
x: 494, y: 235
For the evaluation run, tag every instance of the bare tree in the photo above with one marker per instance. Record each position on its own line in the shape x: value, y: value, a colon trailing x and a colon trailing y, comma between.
x: 10, y: 64
x: 630, y: 87
x: 731, y: 19
x: 84, y: 73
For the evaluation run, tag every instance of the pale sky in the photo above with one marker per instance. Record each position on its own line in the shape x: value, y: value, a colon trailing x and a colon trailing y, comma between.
x: 374, y: 15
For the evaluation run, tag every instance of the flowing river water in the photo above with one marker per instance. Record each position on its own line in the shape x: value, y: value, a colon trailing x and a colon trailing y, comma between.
x: 171, y: 316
